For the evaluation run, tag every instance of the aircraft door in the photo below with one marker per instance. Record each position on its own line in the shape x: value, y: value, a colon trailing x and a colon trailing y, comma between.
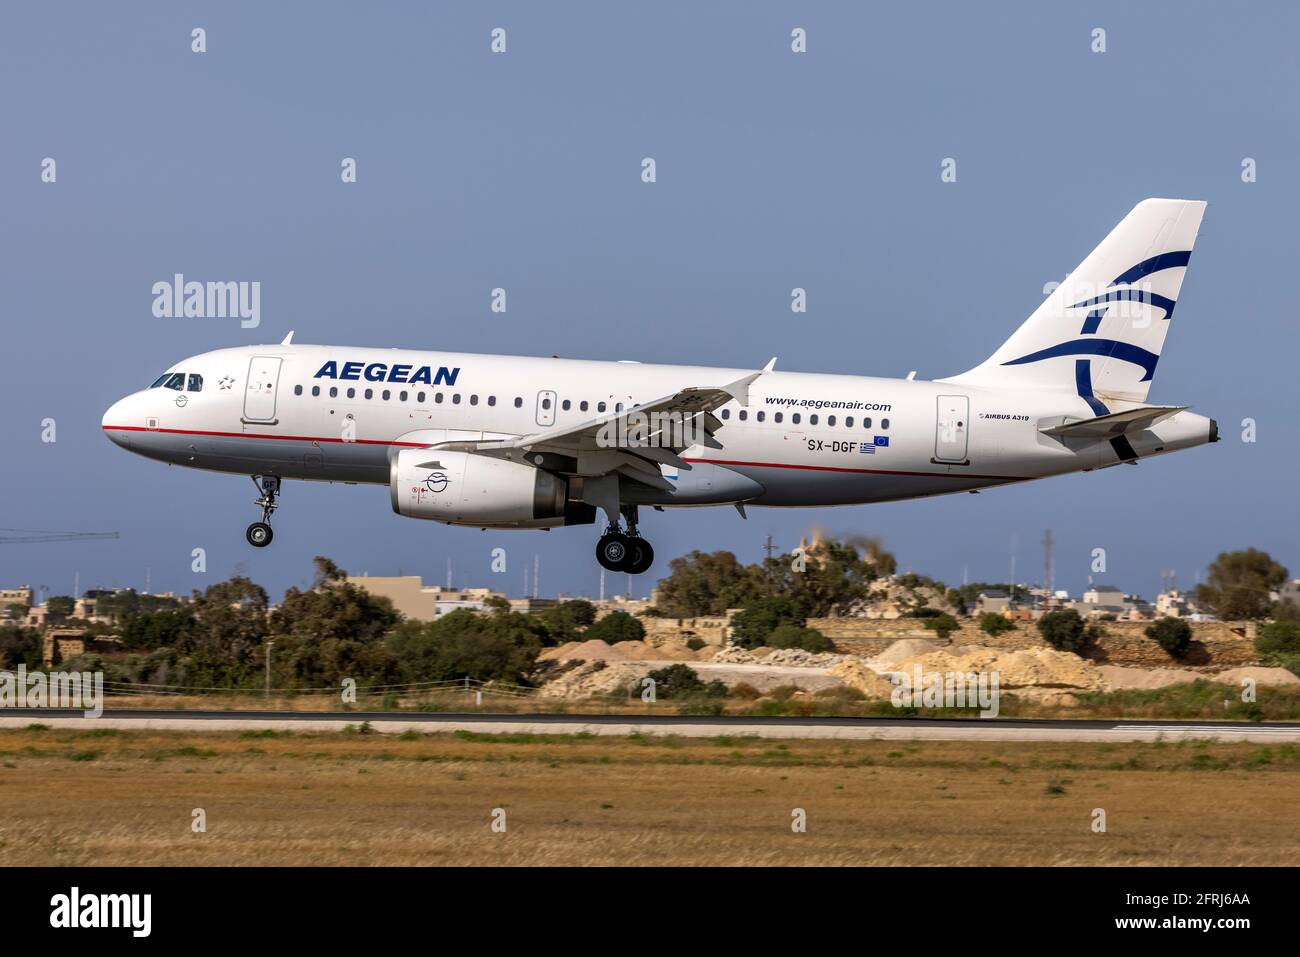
x: 952, y: 420
x: 259, y: 397
x: 546, y: 408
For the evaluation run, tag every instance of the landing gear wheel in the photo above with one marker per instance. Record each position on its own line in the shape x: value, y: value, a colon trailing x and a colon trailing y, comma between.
x: 640, y: 557
x: 259, y: 534
x: 612, y: 551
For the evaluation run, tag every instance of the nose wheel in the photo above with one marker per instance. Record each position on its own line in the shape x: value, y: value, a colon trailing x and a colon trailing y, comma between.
x: 259, y: 534
x: 628, y: 552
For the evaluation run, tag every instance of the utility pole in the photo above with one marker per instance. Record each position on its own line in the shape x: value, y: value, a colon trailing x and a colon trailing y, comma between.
x: 268, y: 667
x: 1011, y: 585
x: 537, y: 564
x: 448, y: 573
x: 768, y: 547
x: 602, y: 584
x: 1047, y: 564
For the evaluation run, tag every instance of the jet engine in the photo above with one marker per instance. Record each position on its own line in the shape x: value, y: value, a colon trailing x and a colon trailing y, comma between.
x: 460, y: 488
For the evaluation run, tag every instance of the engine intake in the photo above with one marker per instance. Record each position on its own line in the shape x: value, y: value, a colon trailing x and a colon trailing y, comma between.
x: 460, y: 488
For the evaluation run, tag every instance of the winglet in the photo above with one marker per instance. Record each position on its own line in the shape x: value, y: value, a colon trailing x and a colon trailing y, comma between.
x: 739, y: 390
x: 288, y: 340
x: 771, y: 364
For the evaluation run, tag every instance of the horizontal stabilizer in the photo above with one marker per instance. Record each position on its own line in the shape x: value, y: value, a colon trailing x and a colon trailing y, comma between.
x: 1117, y: 423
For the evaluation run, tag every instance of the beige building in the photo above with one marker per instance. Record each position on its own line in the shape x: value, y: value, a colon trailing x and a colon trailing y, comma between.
x: 419, y: 602
x: 16, y: 596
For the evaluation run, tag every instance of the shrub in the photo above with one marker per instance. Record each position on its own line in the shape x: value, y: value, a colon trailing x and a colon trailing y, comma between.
x: 991, y: 623
x: 751, y: 627
x: 942, y: 624
x: 680, y: 681
x: 795, y: 636
x: 695, y: 644
x: 615, y: 627
x: 1063, y: 630
x: 745, y: 691
x: 1172, y: 634
x: 1278, y: 638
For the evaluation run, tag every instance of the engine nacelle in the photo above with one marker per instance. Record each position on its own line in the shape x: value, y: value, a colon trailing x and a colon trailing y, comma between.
x: 460, y: 488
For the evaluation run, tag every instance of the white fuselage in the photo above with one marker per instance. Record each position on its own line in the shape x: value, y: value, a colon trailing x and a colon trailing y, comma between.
x: 804, y: 439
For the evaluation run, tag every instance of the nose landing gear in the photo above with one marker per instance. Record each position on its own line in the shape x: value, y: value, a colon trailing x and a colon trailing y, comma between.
x: 621, y: 551
x: 259, y: 534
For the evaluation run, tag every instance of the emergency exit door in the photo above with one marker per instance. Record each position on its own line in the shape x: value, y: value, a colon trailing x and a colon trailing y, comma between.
x: 546, y: 408
x: 952, y: 420
x: 259, y: 395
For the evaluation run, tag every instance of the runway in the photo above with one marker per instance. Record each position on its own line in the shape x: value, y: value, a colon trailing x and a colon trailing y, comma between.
x: 694, y: 726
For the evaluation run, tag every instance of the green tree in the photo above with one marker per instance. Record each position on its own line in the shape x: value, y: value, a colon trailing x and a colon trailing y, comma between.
x: 500, y: 647
x: 1238, y: 584
x: 564, y: 621
x: 159, y: 629
x: 615, y: 627
x: 1174, y: 635
x: 750, y: 628
x: 1063, y: 630
x: 1278, y: 643
x: 991, y: 623
x: 59, y: 607
x: 703, y: 583
x: 794, y: 636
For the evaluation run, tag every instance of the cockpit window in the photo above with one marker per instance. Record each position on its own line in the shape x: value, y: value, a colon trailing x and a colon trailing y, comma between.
x: 160, y: 380
x: 196, y: 383
x: 175, y: 381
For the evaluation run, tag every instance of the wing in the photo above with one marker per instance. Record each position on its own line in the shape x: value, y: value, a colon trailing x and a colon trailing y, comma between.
x: 634, y: 442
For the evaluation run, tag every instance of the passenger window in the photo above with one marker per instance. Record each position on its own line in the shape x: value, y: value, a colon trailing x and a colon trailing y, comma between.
x: 419, y: 397
x: 830, y: 420
x: 618, y: 407
x: 315, y: 390
x: 437, y: 397
x: 175, y: 381
x: 196, y: 383
x: 352, y: 393
x: 776, y: 417
x: 297, y: 390
x: 812, y: 420
x: 866, y: 423
x: 884, y: 423
x: 473, y: 400
x: 518, y: 402
x: 334, y: 392
x: 546, y: 403
x: 848, y: 422
x: 492, y: 400
x: 403, y: 395
x: 565, y: 405
x: 600, y: 406
x: 742, y: 415
x: 726, y: 413
x: 370, y: 393
x: 795, y: 418
x: 759, y: 416
x: 455, y: 398
x: 583, y: 405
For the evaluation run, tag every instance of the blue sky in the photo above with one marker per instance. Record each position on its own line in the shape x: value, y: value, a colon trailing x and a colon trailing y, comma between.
x: 521, y: 170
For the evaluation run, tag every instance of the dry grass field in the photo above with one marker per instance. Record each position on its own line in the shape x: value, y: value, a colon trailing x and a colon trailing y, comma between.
x: 127, y: 797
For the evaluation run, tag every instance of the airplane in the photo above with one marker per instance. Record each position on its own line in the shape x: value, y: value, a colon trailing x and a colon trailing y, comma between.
x: 520, y: 442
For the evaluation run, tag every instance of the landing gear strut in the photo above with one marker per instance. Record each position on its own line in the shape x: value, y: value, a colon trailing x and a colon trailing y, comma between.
x: 259, y: 534
x: 621, y: 551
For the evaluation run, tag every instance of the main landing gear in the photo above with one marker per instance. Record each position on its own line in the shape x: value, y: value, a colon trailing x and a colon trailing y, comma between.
x: 621, y: 551
x: 259, y: 534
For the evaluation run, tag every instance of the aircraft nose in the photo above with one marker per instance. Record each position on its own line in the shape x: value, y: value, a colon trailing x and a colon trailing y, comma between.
x: 114, y: 422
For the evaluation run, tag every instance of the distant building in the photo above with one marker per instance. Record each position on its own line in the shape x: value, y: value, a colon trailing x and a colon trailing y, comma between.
x: 419, y: 602
x: 1175, y: 604
x: 16, y: 596
x: 62, y: 644
x: 992, y: 601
